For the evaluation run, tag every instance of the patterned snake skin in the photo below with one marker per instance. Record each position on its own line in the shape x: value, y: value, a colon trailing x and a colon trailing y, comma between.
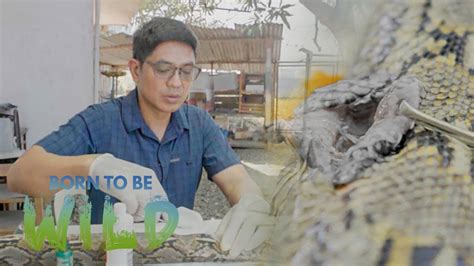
x: 373, y: 187
x: 192, y: 248
x: 382, y: 189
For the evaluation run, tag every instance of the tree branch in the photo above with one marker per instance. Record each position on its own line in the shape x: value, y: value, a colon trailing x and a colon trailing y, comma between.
x: 322, y: 11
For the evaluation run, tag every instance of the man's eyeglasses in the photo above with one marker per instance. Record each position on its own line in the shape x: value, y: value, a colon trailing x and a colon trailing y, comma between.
x: 165, y: 70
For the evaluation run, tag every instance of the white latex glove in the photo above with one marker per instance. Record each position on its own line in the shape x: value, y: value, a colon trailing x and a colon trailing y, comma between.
x: 247, y: 225
x: 189, y: 219
x: 135, y: 199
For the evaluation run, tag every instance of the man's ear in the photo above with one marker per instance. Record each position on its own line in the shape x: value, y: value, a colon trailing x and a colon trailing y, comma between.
x: 135, y: 69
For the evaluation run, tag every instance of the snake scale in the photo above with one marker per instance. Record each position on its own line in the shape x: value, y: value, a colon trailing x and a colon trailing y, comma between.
x: 373, y: 187
x: 381, y: 188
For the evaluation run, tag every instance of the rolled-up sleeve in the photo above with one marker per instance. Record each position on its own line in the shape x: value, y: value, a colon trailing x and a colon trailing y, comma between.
x: 72, y: 138
x: 218, y: 155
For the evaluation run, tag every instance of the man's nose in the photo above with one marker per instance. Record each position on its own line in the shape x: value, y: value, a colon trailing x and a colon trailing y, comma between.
x: 175, y: 80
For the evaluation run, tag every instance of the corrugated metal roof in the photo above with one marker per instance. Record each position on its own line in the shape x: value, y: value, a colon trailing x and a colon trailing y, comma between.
x: 223, y: 48
x: 115, y: 49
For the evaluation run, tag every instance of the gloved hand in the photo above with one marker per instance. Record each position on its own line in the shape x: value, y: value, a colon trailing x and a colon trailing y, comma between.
x: 189, y: 219
x: 135, y: 199
x: 247, y: 225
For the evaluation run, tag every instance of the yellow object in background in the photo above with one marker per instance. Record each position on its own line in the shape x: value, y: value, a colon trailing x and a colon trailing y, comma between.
x: 317, y: 80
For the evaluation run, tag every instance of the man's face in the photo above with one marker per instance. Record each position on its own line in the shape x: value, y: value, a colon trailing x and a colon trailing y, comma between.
x: 159, y: 87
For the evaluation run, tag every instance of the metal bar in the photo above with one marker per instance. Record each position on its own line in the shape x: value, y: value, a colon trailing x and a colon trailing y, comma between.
x: 320, y: 63
x: 275, y: 71
x: 268, y: 85
x: 309, y: 57
x: 262, y: 61
x: 432, y: 123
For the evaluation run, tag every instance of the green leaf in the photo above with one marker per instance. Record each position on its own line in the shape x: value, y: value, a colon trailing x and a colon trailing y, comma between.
x: 286, y: 6
x: 286, y: 22
x: 261, y: 10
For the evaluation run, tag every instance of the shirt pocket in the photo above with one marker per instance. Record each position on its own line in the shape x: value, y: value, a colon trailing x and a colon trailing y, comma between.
x: 183, y: 179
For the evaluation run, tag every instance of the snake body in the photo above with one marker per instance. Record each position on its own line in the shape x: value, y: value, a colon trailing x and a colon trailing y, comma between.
x: 383, y: 189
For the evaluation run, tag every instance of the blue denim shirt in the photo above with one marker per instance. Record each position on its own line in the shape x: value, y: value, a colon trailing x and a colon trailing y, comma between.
x: 191, y: 141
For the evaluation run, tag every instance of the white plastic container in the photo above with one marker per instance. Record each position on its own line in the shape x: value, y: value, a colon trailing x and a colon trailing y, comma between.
x: 124, y: 222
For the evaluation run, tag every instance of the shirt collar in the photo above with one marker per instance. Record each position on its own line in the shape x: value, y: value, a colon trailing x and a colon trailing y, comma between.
x: 180, y: 118
x: 133, y: 119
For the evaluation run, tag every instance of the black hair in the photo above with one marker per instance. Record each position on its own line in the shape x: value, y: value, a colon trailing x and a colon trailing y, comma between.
x: 159, y: 30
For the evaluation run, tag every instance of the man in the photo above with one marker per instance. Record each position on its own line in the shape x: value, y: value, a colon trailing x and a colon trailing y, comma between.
x: 150, y: 132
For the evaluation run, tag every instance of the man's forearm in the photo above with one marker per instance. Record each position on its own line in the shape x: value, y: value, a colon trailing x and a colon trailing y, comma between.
x: 247, y: 185
x: 234, y: 182
x: 30, y: 174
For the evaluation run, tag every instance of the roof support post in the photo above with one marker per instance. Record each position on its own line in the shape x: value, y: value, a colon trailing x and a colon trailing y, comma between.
x: 96, y: 51
x: 268, y: 85
x: 309, y: 59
